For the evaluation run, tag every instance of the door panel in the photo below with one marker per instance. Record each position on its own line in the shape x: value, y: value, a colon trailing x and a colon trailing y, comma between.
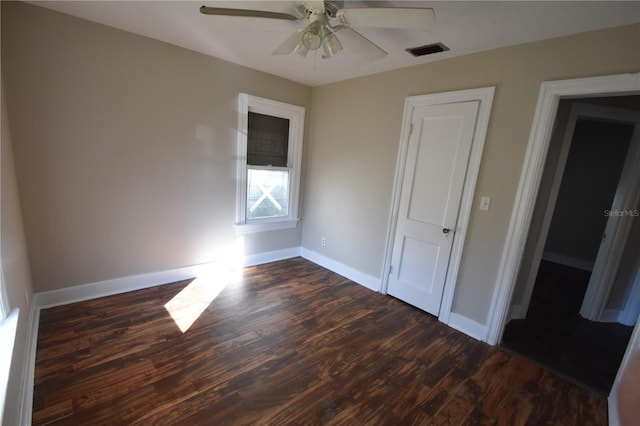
x: 417, y: 262
x: 435, y: 169
x: 434, y: 162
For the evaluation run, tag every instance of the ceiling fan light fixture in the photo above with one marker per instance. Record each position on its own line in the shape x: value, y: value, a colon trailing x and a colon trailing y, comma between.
x: 311, y: 37
x: 331, y: 44
x: 301, y: 49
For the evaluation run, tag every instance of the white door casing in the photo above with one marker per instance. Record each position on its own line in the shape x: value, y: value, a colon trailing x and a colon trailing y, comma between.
x: 551, y: 93
x: 438, y: 161
x: 578, y: 110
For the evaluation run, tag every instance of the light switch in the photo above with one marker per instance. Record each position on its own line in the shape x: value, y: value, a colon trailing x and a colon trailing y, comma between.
x: 485, y: 202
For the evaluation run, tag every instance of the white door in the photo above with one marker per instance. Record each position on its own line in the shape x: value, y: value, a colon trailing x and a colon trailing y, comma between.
x: 435, y: 168
x: 625, y: 203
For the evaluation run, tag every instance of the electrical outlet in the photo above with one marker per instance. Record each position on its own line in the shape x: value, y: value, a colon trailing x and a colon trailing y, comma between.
x: 323, y: 242
x: 485, y: 202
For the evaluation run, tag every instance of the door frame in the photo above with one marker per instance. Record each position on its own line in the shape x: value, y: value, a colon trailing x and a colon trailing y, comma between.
x: 630, y: 311
x: 577, y: 110
x: 485, y: 98
x: 543, y: 123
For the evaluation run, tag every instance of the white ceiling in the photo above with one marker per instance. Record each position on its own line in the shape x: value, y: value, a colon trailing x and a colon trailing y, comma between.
x: 465, y: 27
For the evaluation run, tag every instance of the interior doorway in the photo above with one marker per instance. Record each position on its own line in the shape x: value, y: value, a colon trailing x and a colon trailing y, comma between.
x: 584, y: 176
x: 424, y: 243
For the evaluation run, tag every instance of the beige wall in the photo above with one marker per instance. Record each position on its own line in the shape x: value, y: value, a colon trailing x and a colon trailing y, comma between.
x: 355, y: 127
x: 15, y: 269
x: 125, y: 148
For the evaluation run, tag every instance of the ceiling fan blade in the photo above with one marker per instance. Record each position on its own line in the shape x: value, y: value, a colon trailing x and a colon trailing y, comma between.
x: 402, y: 18
x: 289, y: 44
x: 206, y: 10
x: 359, y: 43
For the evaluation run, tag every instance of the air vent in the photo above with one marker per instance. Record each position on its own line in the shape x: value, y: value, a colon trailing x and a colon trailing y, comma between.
x: 427, y: 49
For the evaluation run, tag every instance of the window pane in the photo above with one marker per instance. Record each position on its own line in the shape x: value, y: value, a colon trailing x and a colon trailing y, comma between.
x: 267, y: 193
x: 267, y: 140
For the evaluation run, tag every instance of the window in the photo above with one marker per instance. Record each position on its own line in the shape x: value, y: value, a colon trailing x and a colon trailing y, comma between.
x: 269, y: 151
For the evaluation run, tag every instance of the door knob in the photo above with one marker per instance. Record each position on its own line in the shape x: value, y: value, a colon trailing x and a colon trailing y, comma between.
x: 445, y: 230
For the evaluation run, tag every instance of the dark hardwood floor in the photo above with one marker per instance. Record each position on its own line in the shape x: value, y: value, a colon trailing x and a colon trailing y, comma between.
x: 288, y: 343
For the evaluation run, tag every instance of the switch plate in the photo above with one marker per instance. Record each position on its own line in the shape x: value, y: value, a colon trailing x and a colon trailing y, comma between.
x: 485, y: 202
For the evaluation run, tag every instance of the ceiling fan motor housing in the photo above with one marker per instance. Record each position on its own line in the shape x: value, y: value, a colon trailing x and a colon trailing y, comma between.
x: 332, y: 7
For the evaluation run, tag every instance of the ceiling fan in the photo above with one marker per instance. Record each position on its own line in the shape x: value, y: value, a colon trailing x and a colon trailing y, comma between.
x: 328, y: 18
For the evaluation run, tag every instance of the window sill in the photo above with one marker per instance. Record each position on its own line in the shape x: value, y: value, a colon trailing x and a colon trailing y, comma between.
x: 249, y: 228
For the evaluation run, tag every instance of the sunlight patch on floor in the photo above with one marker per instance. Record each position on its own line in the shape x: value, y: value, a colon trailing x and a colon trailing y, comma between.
x: 187, y: 306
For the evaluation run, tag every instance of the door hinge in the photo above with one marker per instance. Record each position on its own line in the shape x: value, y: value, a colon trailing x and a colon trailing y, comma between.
x: 390, y: 269
x: 410, y: 129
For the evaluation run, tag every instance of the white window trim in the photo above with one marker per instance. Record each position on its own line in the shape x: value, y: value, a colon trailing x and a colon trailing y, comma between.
x: 4, y: 303
x: 295, y: 115
x: 5, y: 308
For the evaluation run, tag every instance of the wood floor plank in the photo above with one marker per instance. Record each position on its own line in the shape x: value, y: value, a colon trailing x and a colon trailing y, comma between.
x: 54, y: 412
x: 287, y: 343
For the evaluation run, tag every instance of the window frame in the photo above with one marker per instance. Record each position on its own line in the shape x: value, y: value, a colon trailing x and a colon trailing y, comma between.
x: 295, y: 115
x: 5, y: 309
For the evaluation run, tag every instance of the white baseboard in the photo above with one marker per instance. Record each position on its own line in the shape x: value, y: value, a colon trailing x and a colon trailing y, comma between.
x: 518, y: 312
x: 574, y: 262
x: 463, y: 324
x: 610, y: 315
x: 628, y: 316
x: 271, y: 256
x: 467, y: 326
x: 619, y: 316
x: 114, y: 286
x: 366, y: 280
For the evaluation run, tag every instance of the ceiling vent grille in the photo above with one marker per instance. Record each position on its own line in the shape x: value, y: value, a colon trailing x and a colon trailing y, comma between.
x: 427, y: 49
